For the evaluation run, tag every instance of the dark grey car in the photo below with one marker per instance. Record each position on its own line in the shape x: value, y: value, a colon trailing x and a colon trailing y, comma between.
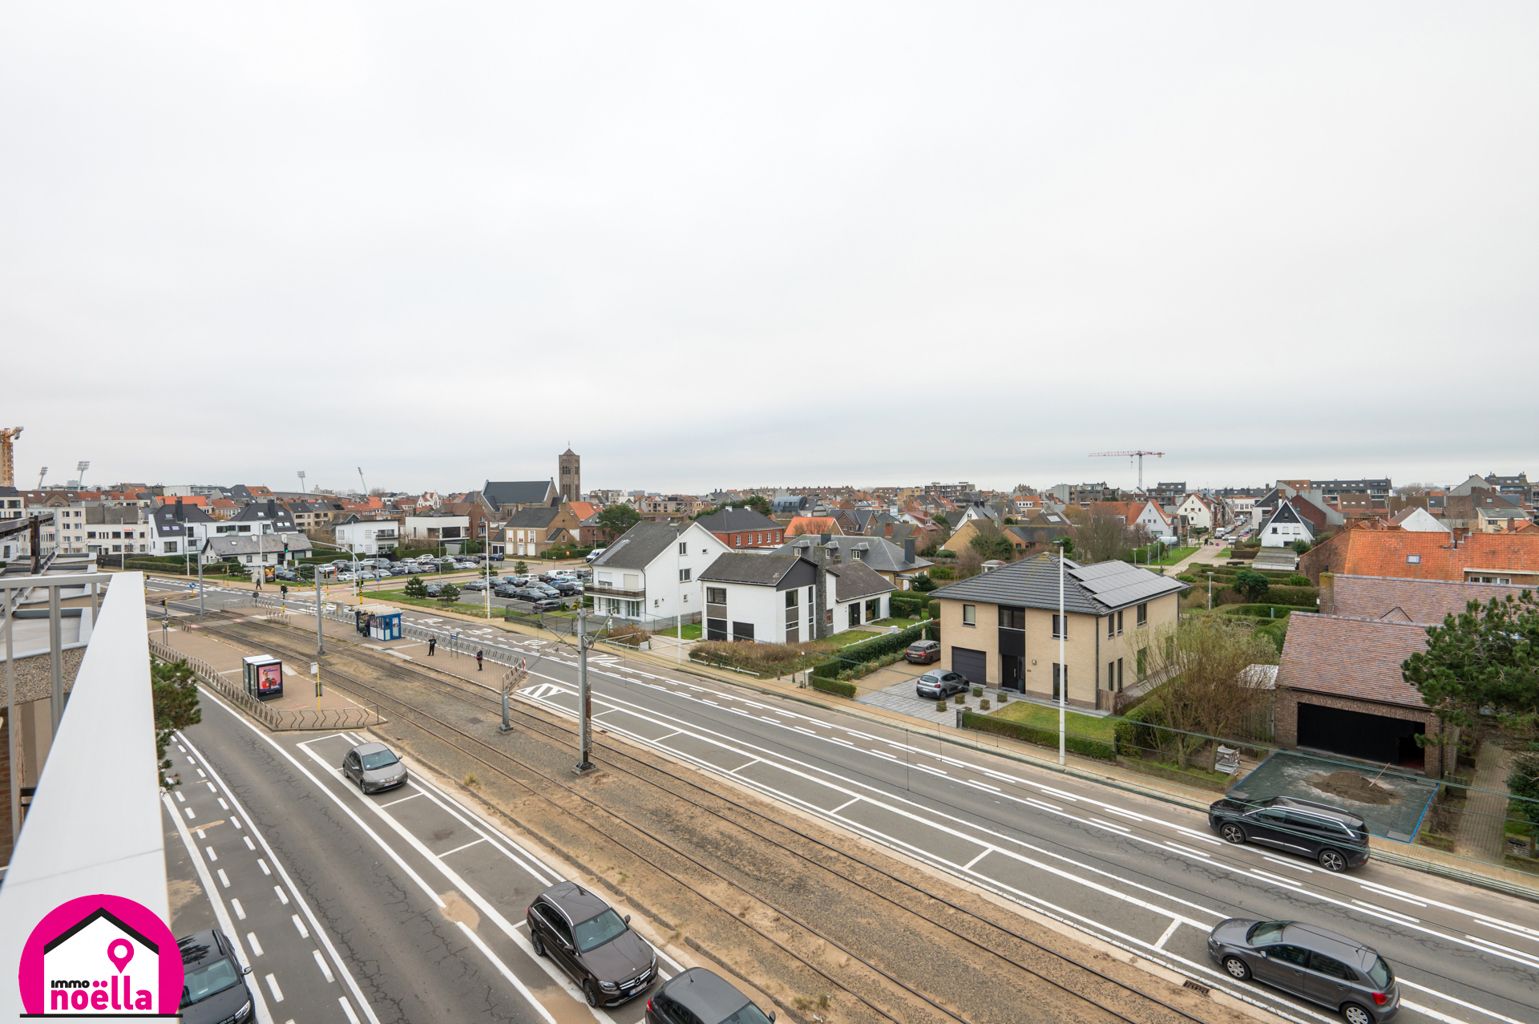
x: 213, y: 981
x: 699, y: 996
x: 1312, y: 963
x: 1333, y: 838
x: 374, y: 767
x: 596, y: 946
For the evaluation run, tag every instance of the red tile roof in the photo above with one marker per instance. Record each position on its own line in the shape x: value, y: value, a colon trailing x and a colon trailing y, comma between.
x: 1358, y: 658
x: 1425, y: 602
x: 812, y: 524
x: 1429, y: 556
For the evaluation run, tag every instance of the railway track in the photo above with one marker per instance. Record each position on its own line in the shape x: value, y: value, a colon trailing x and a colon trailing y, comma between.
x: 1107, y: 997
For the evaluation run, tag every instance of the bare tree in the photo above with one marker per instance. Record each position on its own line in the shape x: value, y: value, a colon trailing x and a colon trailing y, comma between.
x: 1206, y: 690
x: 1101, y: 538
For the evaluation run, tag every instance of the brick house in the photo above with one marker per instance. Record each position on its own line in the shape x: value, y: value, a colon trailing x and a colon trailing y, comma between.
x: 741, y: 528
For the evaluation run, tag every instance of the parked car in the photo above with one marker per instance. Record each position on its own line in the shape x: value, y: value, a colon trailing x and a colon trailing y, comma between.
x: 1334, y: 838
x: 543, y: 588
x: 699, y: 996
x: 592, y: 943
x: 503, y: 590
x: 937, y: 684
x: 545, y: 604
x: 516, y: 581
x: 1323, y: 967
x: 566, y: 588
x: 476, y: 585
x: 434, y: 589
x: 374, y: 767
x: 922, y: 652
x: 213, y: 980
x: 345, y: 577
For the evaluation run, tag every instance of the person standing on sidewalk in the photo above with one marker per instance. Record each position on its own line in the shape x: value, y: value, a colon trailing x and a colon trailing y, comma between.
x: 479, y: 655
x: 432, y: 643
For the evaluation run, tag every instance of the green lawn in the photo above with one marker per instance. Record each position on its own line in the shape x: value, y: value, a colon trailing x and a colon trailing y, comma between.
x: 1170, y: 557
x: 1038, y: 716
x: 691, y: 631
x: 900, y: 623
x: 1226, y: 553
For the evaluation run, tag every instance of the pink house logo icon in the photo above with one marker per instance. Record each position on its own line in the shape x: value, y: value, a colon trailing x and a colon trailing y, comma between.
x: 101, y: 956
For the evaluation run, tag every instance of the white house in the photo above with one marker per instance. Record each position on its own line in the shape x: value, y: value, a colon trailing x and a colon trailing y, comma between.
x: 369, y: 536
x: 777, y: 597
x: 261, y: 549
x: 652, y: 571
x: 1199, y: 512
x: 1156, y: 522
x: 1285, y: 527
x: 450, y: 531
x: 1418, y: 520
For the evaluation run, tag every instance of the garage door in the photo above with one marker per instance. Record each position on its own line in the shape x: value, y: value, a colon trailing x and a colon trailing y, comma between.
x: 1371, y: 737
x: 969, y: 663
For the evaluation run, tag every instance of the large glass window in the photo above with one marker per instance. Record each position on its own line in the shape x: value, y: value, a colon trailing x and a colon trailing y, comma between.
x: 969, y: 615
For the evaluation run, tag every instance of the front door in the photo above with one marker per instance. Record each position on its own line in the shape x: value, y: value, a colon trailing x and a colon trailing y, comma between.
x: 1012, y: 674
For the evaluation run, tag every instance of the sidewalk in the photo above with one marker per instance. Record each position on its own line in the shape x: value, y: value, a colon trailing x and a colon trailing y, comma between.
x: 1481, y: 825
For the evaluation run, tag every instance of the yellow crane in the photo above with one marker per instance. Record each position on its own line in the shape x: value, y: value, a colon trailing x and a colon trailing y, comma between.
x: 8, y: 436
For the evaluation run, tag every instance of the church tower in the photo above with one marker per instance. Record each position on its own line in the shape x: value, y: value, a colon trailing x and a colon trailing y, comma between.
x: 570, y: 478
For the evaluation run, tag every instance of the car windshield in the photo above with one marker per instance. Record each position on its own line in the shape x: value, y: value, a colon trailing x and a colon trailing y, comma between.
x: 1263, y: 932
x: 596, y: 931
x: 1379, y: 971
x: 206, y: 981
x: 930, y: 677
x: 378, y: 759
x: 748, y: 1014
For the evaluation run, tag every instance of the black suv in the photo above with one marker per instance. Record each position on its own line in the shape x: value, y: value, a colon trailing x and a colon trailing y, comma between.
x: 592, y: 943
x: 1335, y: 838
x: 699, y: 996
x: 213, y: 981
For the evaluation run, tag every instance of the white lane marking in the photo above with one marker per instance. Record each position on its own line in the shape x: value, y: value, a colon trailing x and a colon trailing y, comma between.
x: 210, y: 786
x: 224, y: 879
x: 283, y: 897
x: 1457, y: 1002
x: 180, y: 798
x: 347, y: 1011
x: 1045, y: 805
x: 1110, y: 824
x: 299, y: 926
x: 325, y: 940
x: 262, y: 863
x: 222, y: 805
x: 975, y: 860
x: 1506, y: 952
x: 221, y: 914
x: 321, y: 963
x: 189, y: 812
x: 272, y: 983
x: 211, y: 854
x: 401, y: 800
x: 750, y: 764
x: 235, y: 822
x: 981, y: 785
x: 1288, y: 864
x: 249, y: 844
x: 852, y: 800
x: 1393, y: 914
x: 890, y: 757
x: 932, y: 771
x: 465, y: 846
x: 240, y: 912
x: 1188, y: 851
x: 1166, y: 934
x: 256, y: 947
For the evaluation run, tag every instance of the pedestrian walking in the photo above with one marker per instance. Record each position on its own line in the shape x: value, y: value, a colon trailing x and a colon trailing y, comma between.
x: 432, y: 643
x: 479, y: 656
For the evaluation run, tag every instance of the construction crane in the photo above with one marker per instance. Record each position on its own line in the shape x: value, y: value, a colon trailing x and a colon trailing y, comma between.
x: 81, y: 467
x: 41, y: 473
x: 8, y: 436
x: 302, y: 482
x: 1139, y: 455
x: 363, y: 481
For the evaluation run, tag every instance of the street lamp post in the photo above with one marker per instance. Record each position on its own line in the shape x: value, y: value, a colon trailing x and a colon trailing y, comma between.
x: 1063, y: 666
x: 584, y: 697
x: 1210, y: 591
x: 486, y: 553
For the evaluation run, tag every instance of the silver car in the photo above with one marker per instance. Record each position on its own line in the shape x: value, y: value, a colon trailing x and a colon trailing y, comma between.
x: 374, y: 767
x: 1312, y: 963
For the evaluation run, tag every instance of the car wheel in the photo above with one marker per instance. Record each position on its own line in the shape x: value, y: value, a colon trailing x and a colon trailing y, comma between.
x: 1354, y: 1014
x: 590, y: 992
x: 1232, y: 833
x: 537, y: 942
x: 1332, y: 860
x: 1237, y: 968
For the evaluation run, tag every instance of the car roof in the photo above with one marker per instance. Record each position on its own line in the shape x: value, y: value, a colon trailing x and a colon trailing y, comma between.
x: 1325, y: 810
x: 201, y: 946
x: 577, y: 903
x: 370, y: 748
x: 706, y: 993
x: 1330, y: 943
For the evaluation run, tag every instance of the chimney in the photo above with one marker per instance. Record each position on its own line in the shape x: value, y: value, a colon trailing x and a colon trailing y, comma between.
x: 819, y: 592
x: 908, y: 550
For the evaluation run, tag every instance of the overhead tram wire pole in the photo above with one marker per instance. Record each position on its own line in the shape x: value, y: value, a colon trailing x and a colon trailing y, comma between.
x: 486, y: 554
x: 320, y: 634
x: 584, y: 695
x: 1063, y: 667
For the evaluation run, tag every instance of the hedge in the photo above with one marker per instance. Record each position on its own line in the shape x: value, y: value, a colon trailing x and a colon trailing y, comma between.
x: 1134, y: 734
x: 868, y: 650
x: 908, y: 604
x: 833, y: 686
x: 1041, y: 737
x: 1298, y: 597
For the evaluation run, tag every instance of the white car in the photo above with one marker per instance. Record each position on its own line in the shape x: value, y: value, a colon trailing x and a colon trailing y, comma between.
x: 345, y: 577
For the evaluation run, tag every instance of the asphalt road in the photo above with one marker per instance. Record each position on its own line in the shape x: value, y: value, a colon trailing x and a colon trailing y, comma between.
x: 1137, y: 873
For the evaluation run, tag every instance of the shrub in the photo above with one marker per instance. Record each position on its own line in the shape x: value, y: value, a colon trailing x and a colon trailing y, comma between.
x: 1296, y: 579
x: 942, y: 572
x: 415, y: 587
x: 1041, y: 737
x: 977, y: 691
x: 763, y: 659
x: 834, y: 686
x: 449, y: 594
x: 1297, y: 597
x: 872, y: 651
x: 983, y: 705
x: 909, y: 605
x: 629, y: 634
x: 945, y: 553
x: 923, y: 583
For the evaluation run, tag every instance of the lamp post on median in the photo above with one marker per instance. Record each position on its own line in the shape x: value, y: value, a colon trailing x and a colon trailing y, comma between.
x: 1063, y: 665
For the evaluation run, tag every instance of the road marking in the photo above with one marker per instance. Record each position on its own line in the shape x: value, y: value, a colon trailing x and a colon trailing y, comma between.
x: 240, y: 912
x: 283, y: 897
x: 321, y: 963
x: 932, y: 771
x: 299, y: 926
x: 299, y: 898
x: 464, y: 846
x: 1288, y: 864
x: 272, y: 983
x: 986, y: 851
x: 1457, y: 1002
x: 1379, y: 891
x: 249, y: 844
x: 224, y: 879
x: 1392, y: 914
x: 401, y: 800
x: 981, y: 785
x: 263, y: 865
x: 852, y: 800
x: 1111, y: 825
x: 1046, y: 806
x: 1506, y: 952
x: 180, y: 798
x: 1166, y: 934
x: 347, y: 1011
x: 191, y: 814
x: 235, y: 822
x: 749, y: 764
x: 211, y: 854
x: 256, y: 947
x: 222, y: 805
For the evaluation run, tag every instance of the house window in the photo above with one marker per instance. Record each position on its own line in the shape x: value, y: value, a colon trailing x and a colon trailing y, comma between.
x: 1143, y: 663
x: 1143, y: 614
x: 1413, y: 559
x: 873, y: 609
x: 1111, y: 675
x: 1060, y: 627
x: 1119, y: 623
x: 716, y: 595
x: 683, y: 547
x: 1119, y: 673
x: 683, y: 575
x: 969, y: 615
x: 855, y: 614
x: 1111, y: 626
x: 1060, y: 679
x: 1012, y: 618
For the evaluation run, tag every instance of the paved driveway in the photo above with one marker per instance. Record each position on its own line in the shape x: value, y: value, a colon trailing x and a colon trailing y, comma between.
x: 900, y: 697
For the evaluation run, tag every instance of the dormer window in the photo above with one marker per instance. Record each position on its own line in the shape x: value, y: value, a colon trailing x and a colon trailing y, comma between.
x: 1413, y: 559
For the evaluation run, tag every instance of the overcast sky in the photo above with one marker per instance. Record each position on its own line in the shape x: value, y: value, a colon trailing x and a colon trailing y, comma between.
x: 729, y: 244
